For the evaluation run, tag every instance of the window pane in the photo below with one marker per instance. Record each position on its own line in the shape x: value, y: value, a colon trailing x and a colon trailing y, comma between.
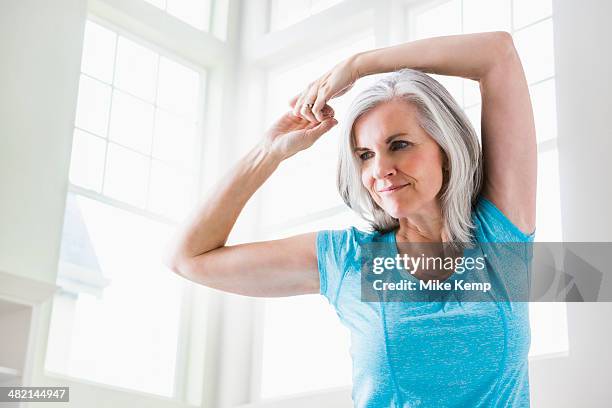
x: 345, y: 219
x: 471, y: 92
x: 131, y: 122
x: 136, y: 69
x: 175, y: 140
x: 543, y: 100
x: 453, y: 84
x: 104, y: 326
x: 171, y: 190
x: 443, y: 19
x: 179, y: 88
x: 290, y: 193
x: 98, y: 52
x: 486, y: 15
x: 320, y: 5
x: 87, y: 160
x: 284, y: 337
x: 193, y: 12
x: 286, y: 13
x: 548, y: 214
x: 473, y: 113
x: 305, y: 347
x: 548, y: 328
x: 158, y: 3
x: 528, y: 11
x: 93, y: 106
x: 127, y: 174
x: 535, y: 47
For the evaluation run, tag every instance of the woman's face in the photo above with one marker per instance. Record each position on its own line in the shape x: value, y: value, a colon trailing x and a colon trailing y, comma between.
x: 401, y: 165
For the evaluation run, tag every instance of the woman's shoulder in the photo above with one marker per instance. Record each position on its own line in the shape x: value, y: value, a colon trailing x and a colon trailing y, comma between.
x: 492, y: 225
x: 352, y: 234
x: 347, y: 242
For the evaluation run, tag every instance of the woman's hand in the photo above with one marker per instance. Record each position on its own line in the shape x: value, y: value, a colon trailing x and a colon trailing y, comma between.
x: 291, y: 134
x: 336, y: 82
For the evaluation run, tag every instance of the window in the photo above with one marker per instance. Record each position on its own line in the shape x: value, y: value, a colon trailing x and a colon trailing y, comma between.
x: 119, y: 307
x: 531, y: 25
x: 135, y: 128
x: 285, y: 13
x: 134, y: 172
x: 205, y: 15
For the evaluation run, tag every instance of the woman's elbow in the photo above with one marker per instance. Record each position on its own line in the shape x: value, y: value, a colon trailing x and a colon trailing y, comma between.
x: 176, y: 262
x: 504, y: 45
x: 502, y: 54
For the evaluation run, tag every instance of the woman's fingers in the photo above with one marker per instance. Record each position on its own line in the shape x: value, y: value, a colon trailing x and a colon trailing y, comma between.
x: 309, y: 101
x: 298, y: 106
x: 327, y: 112
x: 311, y: 104
x: 319, y: 104
x: 317, y: 131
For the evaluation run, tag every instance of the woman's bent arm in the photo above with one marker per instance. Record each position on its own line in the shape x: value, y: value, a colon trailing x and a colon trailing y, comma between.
x: 507, y: 123
x: 273, y: 268
x: 211, y: 225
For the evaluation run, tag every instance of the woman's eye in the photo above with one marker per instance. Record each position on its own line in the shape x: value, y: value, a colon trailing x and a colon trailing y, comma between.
x: 365, y: 155
x: 399, y: 144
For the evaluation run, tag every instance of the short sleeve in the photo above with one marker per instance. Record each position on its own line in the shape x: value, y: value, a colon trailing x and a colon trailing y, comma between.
x: 333, y: 248
x: 493, y: 225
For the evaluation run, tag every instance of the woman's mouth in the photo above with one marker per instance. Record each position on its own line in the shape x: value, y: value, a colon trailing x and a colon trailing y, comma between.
x: 392, y: 189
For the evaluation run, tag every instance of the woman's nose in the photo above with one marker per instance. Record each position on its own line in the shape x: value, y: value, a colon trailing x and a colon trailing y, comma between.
x: 383, y: 167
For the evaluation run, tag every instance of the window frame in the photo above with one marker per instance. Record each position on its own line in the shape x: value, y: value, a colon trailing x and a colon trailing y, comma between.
x: 209, y: 56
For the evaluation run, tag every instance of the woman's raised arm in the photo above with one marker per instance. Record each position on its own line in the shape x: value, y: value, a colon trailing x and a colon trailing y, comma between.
x: 507, y: 125
x: 272, y: 268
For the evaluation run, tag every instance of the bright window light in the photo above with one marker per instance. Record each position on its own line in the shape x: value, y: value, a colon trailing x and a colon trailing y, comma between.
x: 285, y: 13
x: 434, y: 21
x: 98, y: 52
x: 535, y: 46
x: 88, y: 152
x: 136, y: 69
x: 126, y: 175
x: 93, y: 106
x: 131, y: 122
x: 543, y: 100
x: 498, y: 14
x: 134, y: 165
x: 530, y: 11
x: 145, y: 115
x: 117, y: 316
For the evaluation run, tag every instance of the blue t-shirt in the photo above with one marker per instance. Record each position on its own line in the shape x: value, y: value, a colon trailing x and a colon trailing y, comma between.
x: 430, y: 354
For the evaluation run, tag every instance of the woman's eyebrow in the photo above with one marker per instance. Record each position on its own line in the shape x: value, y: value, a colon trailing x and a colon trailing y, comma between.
x: 387, y: 140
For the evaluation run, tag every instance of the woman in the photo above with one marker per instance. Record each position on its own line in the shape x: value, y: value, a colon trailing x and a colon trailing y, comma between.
x: 411, y: 164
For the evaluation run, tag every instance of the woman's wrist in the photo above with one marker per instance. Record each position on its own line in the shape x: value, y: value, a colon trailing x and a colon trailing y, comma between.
x: 364, y: 64
x: 265, y: 153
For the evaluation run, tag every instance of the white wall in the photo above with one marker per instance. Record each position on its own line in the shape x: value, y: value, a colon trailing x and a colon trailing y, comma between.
x: 40, y: 48
x: 583, y: 60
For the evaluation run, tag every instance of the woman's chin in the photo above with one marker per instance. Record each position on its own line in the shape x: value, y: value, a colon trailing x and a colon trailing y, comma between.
x: 397, y: 210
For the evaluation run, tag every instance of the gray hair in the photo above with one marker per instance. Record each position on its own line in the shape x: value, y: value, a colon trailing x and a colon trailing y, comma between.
x: 444, y: 120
